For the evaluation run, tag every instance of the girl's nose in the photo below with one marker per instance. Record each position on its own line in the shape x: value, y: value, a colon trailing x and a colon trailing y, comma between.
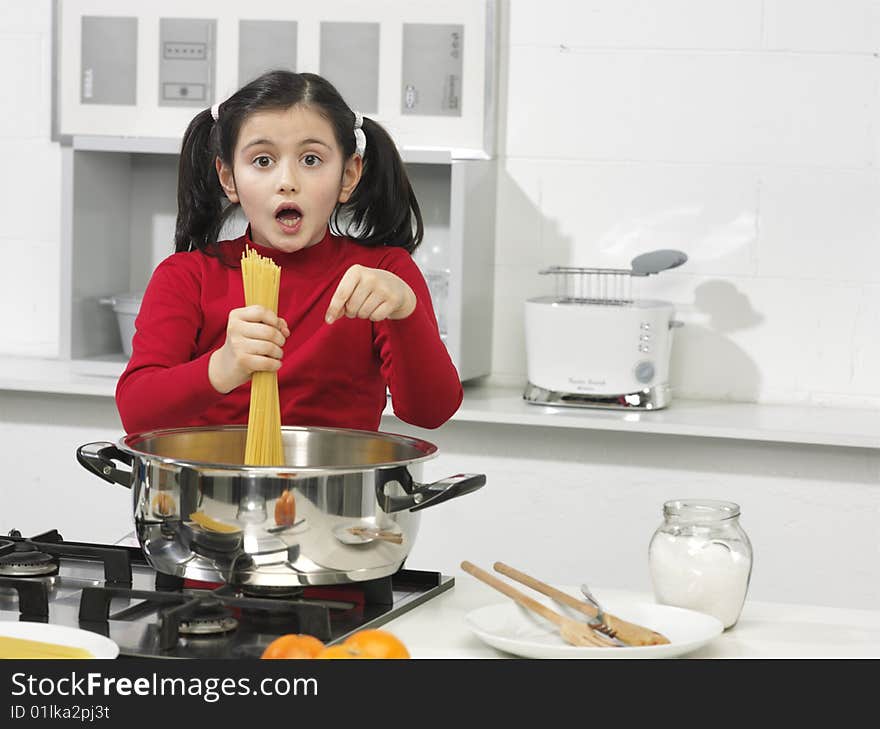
x: 286, y: 178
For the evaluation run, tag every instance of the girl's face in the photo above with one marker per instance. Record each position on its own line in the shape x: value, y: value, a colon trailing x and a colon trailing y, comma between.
x: 288, y: 173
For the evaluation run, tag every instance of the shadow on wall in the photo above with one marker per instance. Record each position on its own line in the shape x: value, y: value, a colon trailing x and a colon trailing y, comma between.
x: 526, y: 242
x: 705, y: 361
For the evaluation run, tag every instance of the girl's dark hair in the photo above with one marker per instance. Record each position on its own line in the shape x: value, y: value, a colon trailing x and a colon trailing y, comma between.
x: 382, y: 209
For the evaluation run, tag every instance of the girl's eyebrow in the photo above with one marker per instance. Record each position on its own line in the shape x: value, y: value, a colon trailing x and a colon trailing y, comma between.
x: 255, y: 143
x: 314, y: 141
x: 303, y: 143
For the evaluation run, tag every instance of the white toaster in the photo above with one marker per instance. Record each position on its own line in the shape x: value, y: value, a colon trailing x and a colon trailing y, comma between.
x: 592, y: 345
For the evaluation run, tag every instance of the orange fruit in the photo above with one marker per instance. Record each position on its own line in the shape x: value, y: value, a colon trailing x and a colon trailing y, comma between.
x: 293, y: 645
x: 376, y: 644
x: 337, y: 651
x: 367, y: 644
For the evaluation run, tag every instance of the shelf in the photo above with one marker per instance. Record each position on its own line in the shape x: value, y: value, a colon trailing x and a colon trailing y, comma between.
x: 136, y: 145
x: 105, y: 365
x: 503, y: 405
x: 51, y: 376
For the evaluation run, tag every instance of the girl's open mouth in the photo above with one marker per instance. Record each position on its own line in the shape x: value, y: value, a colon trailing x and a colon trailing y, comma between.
x: 289, y: 218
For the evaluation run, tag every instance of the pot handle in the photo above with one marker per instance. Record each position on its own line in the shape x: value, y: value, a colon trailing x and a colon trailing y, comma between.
x: 421, y: 496
x: 99, y: 459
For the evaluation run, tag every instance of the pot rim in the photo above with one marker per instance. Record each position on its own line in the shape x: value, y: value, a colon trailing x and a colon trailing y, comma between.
x: 128, y: 444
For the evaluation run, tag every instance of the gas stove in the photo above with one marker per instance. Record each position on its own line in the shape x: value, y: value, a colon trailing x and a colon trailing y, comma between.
x: 112, y: 590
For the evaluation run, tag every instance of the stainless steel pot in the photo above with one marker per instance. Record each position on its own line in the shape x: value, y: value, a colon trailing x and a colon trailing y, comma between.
x: 200, y: 514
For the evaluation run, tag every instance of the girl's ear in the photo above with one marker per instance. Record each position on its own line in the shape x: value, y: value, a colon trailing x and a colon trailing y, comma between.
x: 351, y: 175
x: 227, y: 180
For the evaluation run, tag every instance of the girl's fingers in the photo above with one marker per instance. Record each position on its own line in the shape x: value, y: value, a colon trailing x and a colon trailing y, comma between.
x: 344, y: 290
x: 357, y: 299
x: 256, y: 363
x: 370, y: 304
x: 260, y: 332
x: 382, y: 312
x: 283, y: 328
x: 256, y: 313
x: 263, y: 348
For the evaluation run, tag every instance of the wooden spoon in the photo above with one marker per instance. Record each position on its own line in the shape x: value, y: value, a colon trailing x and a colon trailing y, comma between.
x: 626, y: 632
x: 572, y: 631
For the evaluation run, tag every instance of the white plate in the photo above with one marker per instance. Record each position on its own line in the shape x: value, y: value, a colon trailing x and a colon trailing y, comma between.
x: 97, y: 645
x: 513, y: 629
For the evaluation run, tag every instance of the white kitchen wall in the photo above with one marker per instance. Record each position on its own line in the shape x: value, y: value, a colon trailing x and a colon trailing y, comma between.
x: 30, y: 184
x: 744, y: 132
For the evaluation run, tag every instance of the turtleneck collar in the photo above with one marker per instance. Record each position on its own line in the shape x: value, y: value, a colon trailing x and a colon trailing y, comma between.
x: 306, y: 261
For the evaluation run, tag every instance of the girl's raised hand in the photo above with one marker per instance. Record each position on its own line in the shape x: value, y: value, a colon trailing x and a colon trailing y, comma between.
x: 371, y: 293
x: 254, y: 338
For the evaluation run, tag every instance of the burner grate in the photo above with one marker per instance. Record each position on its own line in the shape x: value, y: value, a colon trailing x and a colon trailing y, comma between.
x: 27, y: 560
x: 186, y: 619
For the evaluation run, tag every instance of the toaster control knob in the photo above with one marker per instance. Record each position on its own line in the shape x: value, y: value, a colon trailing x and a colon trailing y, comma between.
x: 645, y: 371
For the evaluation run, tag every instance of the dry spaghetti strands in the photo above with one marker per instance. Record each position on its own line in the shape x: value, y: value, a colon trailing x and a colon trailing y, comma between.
x: 264, y: 447
x: 23, y: 648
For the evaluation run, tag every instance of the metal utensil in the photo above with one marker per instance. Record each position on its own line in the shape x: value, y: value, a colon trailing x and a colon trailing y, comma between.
x: 594, y: 619
x: 656, y: 261
x: 598, y: 622
x: 572, y: 631
x: 623, y: 630
x: 627, y: 633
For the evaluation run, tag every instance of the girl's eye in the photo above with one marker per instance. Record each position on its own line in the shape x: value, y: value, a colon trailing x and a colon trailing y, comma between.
x: 311, y: 160
x: 262, y: 161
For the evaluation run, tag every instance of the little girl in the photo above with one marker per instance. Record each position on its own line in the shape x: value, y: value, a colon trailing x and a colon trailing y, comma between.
x: 354, y: 312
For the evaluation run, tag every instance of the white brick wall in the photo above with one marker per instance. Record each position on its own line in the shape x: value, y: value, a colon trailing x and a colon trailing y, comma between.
x: 744, y: 133
x: 30, y: 185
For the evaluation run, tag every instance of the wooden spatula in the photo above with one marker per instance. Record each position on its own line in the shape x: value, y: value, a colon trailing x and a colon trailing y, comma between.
x: 572, y: 631
x: 623, y: 630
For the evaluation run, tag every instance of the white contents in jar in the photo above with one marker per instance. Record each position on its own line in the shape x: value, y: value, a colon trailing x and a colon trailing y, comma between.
x: 697, y: 574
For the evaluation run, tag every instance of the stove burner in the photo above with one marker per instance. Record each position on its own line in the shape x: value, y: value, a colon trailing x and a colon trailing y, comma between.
x: 281, y: 592
x: 207, y: 622
x: 25, y: 560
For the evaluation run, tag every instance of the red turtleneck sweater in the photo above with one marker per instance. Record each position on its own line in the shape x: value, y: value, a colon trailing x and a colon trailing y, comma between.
x: 331, y: 375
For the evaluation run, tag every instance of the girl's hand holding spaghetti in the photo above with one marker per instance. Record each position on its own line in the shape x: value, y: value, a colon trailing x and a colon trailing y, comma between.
x: 254, y: 338
x: 371, y: 293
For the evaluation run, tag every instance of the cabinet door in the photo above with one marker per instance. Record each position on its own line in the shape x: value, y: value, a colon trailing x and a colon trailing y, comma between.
x: 425, y: 70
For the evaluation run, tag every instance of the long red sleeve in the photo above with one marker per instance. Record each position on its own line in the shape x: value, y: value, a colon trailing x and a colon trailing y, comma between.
x: 332, y: 375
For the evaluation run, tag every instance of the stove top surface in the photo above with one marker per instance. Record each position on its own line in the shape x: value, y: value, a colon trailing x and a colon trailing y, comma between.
x: 112, y: 590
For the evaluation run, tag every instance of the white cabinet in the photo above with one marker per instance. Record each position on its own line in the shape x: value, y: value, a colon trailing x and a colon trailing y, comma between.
x: 424, y: 70
x: 130, y: 79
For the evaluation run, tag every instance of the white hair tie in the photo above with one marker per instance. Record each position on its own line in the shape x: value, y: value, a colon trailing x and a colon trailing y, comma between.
x: 215, y: 111
x: 360, y: 139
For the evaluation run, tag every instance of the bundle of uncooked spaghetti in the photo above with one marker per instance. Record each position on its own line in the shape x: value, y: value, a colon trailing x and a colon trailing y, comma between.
x: 264, y: 446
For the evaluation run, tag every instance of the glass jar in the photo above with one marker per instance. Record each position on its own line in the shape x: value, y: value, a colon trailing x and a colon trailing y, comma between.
x: 701, y: 558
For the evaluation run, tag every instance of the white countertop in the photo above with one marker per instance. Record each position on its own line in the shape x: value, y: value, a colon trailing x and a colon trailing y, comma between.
x: 503, y: 405
x: 702, y: 418
x: 437, y: 628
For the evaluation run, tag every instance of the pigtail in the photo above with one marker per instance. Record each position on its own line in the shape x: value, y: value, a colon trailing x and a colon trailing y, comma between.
x: 200, y: 199
x: 382, y: 209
